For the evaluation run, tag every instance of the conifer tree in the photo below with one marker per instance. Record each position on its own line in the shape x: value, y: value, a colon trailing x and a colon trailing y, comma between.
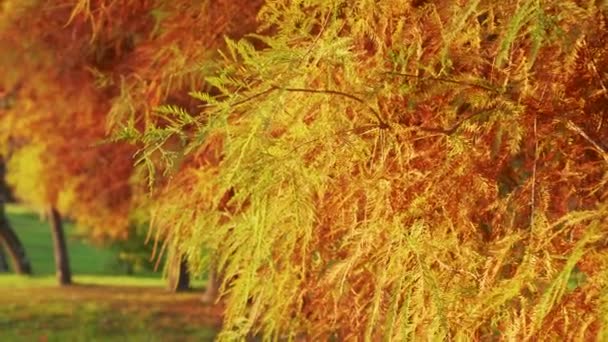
x: 402, y: 170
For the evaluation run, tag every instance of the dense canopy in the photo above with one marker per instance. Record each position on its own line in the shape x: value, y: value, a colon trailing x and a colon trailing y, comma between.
x: 75, y: 71
x: 402, y: 170
x: 366, y: 169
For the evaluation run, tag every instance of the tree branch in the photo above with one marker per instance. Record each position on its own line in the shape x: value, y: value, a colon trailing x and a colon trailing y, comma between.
x: 599, y: 148
x: 381, y: 123
x: 533, y: 195
x: 454, y: 127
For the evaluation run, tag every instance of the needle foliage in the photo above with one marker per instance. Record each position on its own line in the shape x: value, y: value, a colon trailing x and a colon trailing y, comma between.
x: 356, y: 169
x: 395, y: 170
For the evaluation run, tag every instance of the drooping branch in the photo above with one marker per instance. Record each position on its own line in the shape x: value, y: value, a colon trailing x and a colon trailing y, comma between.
x: 254, y: 96
x: 381, y: 123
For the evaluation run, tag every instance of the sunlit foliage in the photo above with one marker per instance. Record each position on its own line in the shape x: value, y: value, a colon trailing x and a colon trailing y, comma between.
x: 366, y: 169
x: 401, y: 170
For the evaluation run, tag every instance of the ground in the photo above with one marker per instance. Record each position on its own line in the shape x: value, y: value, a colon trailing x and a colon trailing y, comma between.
x: 96, y: 310
x: 101, y: 306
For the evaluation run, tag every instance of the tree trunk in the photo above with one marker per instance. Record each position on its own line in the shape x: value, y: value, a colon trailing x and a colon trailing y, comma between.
x: 179, y: 276
x: 62, y: 263
x: 8, y: 238
x: 212, y: 288
x: 3, y: 261
x: 12, y: 245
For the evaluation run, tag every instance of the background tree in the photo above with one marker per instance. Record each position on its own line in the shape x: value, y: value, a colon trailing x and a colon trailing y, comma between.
x: 86, y: 64
x: 60, y: 168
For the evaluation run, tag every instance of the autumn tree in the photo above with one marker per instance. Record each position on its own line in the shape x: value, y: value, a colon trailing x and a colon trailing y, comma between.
x: 8, y: 238
x: 82, y: 68
x: 59, y: 114
x: 402, y: 170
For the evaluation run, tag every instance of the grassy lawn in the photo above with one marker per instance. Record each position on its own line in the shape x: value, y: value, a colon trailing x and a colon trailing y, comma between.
x: 104, y: 305
x: 96, y: 310
x: 35, y: 235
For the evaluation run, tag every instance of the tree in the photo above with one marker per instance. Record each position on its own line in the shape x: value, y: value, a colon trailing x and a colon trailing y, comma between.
x: 88, y: 64
x: 403, y: 170
x: 3, y: 261
x: 165, y: 66
x: 178, y: 273
x: 59, y: 166
x: 62, y: 263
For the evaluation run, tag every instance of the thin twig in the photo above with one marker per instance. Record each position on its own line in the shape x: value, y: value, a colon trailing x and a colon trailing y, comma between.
x: 357, y: 131
x: 381, y: 123
x: 599, y: 148
x: 254, y: 96
x: 316, y: 40
x: 454, y: 127
x: 532, y: 197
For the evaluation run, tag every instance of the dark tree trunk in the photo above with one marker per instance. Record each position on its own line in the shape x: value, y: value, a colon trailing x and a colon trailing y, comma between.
x: 179, y: 275
x: 12, y: 245
x: 3, y: 261
x: 8, y: 238
x: 62, y: 262
x: 212, y: 288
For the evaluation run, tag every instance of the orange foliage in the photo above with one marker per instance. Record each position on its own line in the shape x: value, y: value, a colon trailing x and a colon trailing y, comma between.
x: 432, y: 173
x: 79, y: 66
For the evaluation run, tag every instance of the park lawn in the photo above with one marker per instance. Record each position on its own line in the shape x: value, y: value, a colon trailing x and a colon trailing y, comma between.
x: 35, y: 234
x: 103, y: 305
x: 97, y: 309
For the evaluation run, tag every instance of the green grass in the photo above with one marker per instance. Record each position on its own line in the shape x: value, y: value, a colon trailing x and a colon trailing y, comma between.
x: 36, y: 310
x: 35, y: 234
x: 103, y: 305
x: 14, y: 281
x: 85, y: 259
